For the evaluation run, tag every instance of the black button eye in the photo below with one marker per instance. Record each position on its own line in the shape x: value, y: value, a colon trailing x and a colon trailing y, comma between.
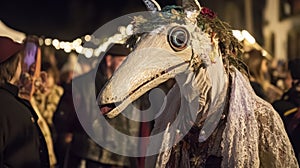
x: 178, y: 38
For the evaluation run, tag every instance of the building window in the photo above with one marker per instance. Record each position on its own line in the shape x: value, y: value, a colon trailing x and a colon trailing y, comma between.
x: 272, y: 46
x: 295, y: 4
x: 289, y: 8
x: 293, y: 44
x: 298, y: 44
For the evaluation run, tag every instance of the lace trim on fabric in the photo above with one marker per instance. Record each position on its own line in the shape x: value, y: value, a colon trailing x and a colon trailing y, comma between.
x: 254, y: 135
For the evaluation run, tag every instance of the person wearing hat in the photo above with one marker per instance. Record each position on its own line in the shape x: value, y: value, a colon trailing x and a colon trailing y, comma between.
x: 22, y: 143
x: 288, y: 107
x: 83, y: 151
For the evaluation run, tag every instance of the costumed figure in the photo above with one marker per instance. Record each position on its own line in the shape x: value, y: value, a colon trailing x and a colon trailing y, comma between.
x: 212, y: 116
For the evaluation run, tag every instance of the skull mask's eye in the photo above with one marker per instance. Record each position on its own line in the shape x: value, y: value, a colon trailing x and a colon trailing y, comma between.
x: 178, y: 38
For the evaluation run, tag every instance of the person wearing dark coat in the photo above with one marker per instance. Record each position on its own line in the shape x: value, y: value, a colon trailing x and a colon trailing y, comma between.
x: 83, y: 150
x: 22, y: 144
x: 288, y: 107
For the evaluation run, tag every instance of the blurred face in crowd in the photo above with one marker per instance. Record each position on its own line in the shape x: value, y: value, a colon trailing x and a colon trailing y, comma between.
x: 258, y: 66
x: 288, y: 80
x: 264, y: 65
x: 114, y: 62
x: 50, y: 80
x: 117, y: 61
x: 16, y: 65
x: 18, y: 72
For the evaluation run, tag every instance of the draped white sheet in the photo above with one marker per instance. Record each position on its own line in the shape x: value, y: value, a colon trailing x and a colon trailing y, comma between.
x: 254, y: 135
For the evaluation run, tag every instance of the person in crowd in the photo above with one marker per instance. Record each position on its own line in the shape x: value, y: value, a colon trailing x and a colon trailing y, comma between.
x: 288, y: 107
x: 70, y: 69
x: 279, y: 74
x: 83, y: 151
x: 259, y: 76
x: 63, y: 120
x: 46, y: 132
x: 48, y: 100
x: 22, y: 143
x: 48, y: 55
x: 45, y: 103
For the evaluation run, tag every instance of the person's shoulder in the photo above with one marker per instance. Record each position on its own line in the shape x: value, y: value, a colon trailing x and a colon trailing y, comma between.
x: 84, y: 81
x: 255, y: 84
x: 58, y: 90
x: 5, y: 96
x: 258, y: 90
x: 85, y: 76
x: 284, y: 107
x: 10, y: 105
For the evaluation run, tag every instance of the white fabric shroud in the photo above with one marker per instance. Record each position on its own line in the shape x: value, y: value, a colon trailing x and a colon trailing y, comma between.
x: 254, y: 135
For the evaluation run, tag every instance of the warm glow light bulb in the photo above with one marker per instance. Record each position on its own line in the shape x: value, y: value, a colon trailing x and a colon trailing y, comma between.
x: 89, y: 53
x: 238, y: 35
x: 79, y: 49
x: 87, y: 38
x: 48, y: 41
x: 248, y: 37
x: 55, y: 43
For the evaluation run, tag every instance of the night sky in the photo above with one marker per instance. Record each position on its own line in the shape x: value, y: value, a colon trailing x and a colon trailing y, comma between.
x: 69, y: 19
x: 65, y: 19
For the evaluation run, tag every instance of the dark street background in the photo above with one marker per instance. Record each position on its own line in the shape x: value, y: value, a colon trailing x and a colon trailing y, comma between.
x: 69, y: 19
x: 65, y: 19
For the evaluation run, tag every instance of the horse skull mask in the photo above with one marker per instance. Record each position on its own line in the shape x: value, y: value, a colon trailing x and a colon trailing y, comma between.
x: 162, y: 54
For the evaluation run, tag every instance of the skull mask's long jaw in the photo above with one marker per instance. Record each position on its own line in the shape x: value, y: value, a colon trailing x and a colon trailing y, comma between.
x: 153, y: 62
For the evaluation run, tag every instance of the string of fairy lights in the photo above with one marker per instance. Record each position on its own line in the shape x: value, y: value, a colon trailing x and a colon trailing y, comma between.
x: 78, y: 46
